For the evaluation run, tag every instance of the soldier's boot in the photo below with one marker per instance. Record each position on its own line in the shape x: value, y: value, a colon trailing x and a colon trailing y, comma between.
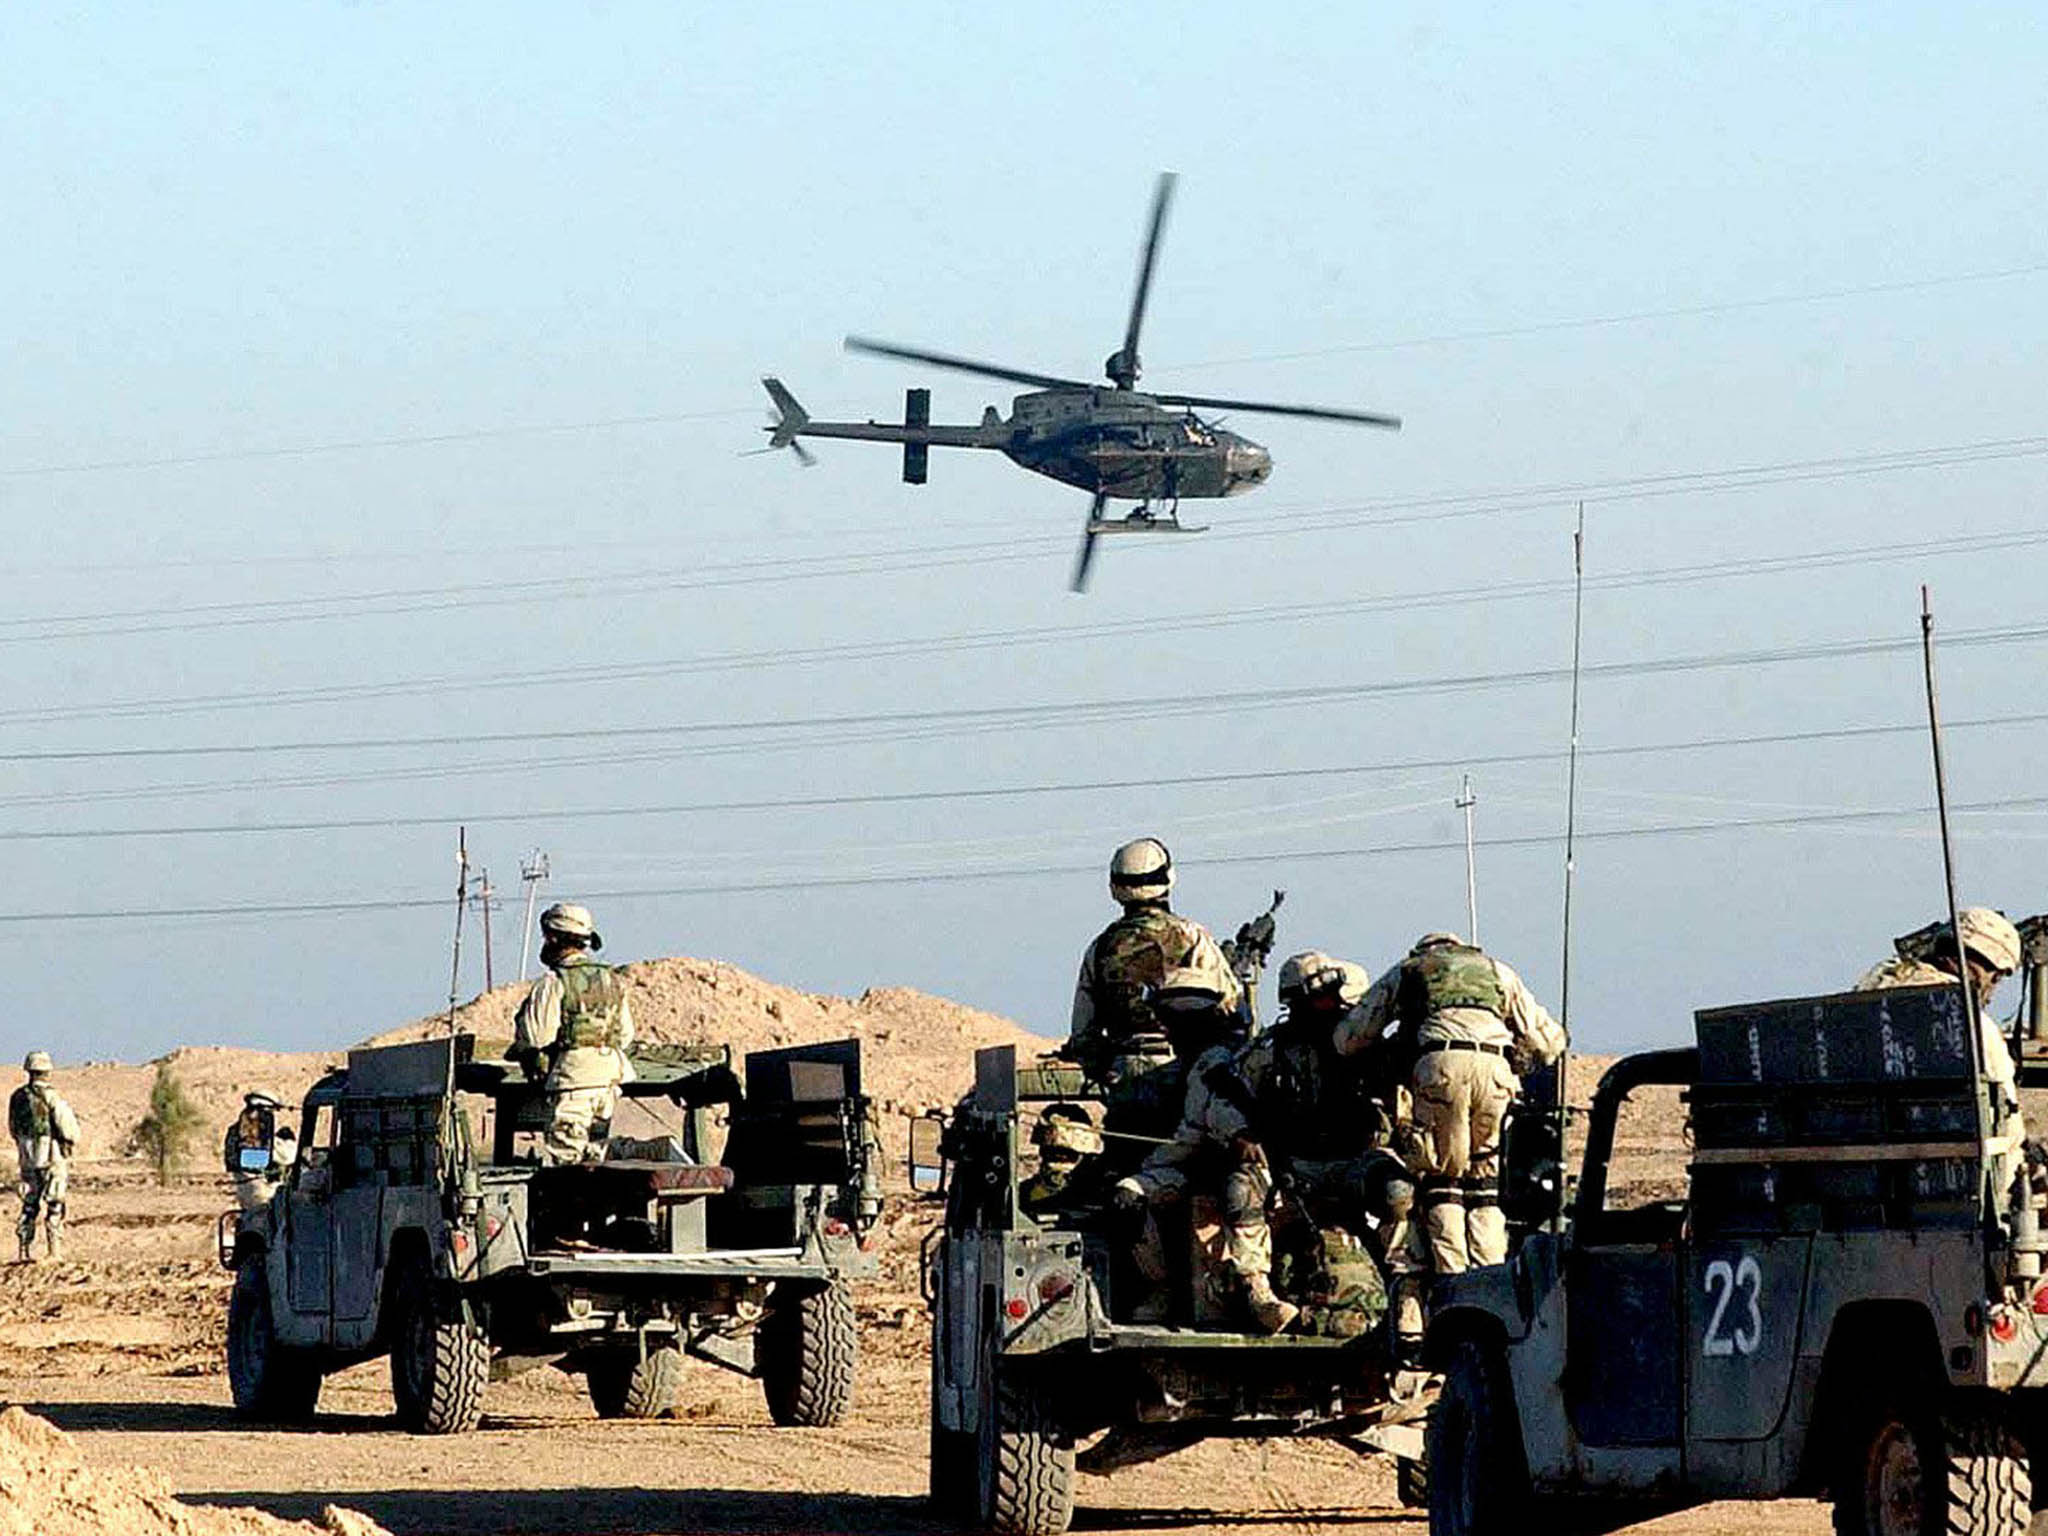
x: 1271, y: 1312
x: 27, y: 1255
x: 53, y: 1242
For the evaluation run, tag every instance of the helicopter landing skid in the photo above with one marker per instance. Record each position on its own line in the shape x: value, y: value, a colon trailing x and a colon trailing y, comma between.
x: 1142, y: 520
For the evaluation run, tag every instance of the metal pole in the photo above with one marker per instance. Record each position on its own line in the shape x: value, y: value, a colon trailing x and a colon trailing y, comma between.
x: 461, y: 901
x: 532, y: 870
x: 1465, y: 801
x: 484, y: 893
x: 1571, y: 827
x: 1948, y: 853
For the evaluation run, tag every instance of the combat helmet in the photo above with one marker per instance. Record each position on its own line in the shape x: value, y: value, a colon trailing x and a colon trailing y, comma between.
x: 567, y: 920
x: 1309, y: 971
x: 1990, y: 936
x: 1437, y: 940
x: 36, y: 1063
x: 1141, y: 871
x: 1064, y: 1135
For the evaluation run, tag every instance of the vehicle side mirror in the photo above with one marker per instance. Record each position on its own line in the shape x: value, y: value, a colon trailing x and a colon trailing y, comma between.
x: 927, y: 1159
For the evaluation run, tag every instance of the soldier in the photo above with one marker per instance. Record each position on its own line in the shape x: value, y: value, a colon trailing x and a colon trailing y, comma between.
x: 1991, y: 948
x: 1475, y: 1028
x: 1066, y: 1139
x: 45, y: 1136
x: 575, y: 1026
x: 251, y: 1150
x: 1116, y: 1035
x: 1202, y: 1023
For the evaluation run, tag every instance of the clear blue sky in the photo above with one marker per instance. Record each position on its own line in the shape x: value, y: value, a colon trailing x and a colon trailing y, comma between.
x: 500, y: 281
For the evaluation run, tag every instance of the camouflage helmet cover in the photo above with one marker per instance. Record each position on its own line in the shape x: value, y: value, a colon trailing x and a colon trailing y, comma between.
x: 257, y: 1099
x: 1066, y: 1129
x: 37, y: 1061
x: 1309, y: 971
x: 1141, y: 871
x: 1435, y: 940
x: 1990, y: 936
x: 567, y: 920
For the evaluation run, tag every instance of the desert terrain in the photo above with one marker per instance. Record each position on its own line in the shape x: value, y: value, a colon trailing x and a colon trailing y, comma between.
x: 120, y: 1347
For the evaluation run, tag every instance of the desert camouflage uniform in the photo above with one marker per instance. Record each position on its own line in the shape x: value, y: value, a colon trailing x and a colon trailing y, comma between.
x: 1114, y: 1032
x: 45, y: 1131
x: 1476, y: 1027
x: 579, y: 1017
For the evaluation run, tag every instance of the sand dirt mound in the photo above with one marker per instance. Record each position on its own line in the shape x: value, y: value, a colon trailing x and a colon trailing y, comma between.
x: 46, y: 1490
x: 918, y: 1049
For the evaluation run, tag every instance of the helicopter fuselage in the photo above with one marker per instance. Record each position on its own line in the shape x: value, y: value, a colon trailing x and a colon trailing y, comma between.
x: 1129, y: 446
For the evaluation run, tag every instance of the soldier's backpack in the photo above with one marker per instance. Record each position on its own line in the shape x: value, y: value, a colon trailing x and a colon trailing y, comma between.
x: 1337, y: 1284
x: 28, y: 1113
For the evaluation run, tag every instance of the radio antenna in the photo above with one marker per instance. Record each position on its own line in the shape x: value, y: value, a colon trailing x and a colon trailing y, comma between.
x: 1948, y: 852
x: 461, y: 901
x: 1571, y: 828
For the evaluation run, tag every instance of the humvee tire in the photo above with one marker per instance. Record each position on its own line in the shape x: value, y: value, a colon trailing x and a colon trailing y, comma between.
x: 1962, y: 1470
x: 268, y: 1379
x: 1411, y: 1481
x: 1025, y: 1460
x: 1478, y: 1479
x: 806, y: 1351
x: 439, y: 1364
x: 623, y: 1386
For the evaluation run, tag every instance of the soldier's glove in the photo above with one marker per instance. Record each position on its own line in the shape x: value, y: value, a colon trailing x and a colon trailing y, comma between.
x: 1129, y: 1194
x: 1248, y: 1152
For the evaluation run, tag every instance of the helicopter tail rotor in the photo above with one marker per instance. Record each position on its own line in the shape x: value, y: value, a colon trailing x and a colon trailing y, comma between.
x: 790, y: 419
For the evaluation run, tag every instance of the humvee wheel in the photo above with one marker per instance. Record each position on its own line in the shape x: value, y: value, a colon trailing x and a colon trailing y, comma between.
x: 438, y: 1362
x: 1024, y: 1459
x: 1411, y: 1482
x: 1959, y: 1473
x: 623, y: 1386
x: 806, y: 1350
x: 269, y: 1380
x: 1478, y: 1477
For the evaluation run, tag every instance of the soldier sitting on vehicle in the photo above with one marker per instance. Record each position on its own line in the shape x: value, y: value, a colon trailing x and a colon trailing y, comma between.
x: 1991, y: 948
x: 1069, y: 1150
x: 572, y: 1031
x: 1199, y: 1159
x: 1116, y: 1035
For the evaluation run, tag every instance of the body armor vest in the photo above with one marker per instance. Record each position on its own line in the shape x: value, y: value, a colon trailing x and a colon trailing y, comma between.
x: 1449, y: 976
x: 28, y: 1113
x: 1133, y: 955
x: 593, y: 1007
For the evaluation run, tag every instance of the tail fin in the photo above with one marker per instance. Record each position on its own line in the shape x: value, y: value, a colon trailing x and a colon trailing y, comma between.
x: 790, y: 419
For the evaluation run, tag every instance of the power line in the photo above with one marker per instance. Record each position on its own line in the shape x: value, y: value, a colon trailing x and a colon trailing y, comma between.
x: 1020, y: 871
x: 986, y: 792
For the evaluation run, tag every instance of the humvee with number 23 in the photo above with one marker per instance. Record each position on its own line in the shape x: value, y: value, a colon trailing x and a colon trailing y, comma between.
x: 1845, y: 1303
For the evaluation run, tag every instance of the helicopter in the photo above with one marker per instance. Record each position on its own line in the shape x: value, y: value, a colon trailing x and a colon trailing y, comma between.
x: 1112, y: 441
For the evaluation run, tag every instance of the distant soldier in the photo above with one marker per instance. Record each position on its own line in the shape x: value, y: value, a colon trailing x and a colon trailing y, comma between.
x: 1991, y: 949
x: 1475, y: 1028
x: 573, y: 1029
x: 45, y: 1137
x: 257, y: 1150
x: 1116, y: 1034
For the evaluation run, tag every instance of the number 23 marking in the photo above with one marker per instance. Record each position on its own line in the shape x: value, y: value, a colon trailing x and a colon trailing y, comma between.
x: 1721, y: 1281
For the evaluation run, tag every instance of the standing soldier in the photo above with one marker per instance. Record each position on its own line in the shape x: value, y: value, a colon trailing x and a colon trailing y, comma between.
x: 45, y: 1136
x: 575, y: 1026
x: 1117, y: 1036
x: 1476, y: 1028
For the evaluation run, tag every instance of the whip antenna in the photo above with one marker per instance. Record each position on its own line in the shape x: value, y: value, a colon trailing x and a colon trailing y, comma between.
x: 1571, y: 827
x: 1948, y: 852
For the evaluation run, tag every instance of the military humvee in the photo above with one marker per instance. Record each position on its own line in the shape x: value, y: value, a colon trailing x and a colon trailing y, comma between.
x: 1031, y: 1352
x: 397, y: 1231
x: 1841, y: 1301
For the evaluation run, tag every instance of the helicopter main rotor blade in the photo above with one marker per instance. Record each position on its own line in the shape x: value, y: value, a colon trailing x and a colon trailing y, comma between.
x: 961, y: 364
x: 1266, y: 408
x: 1124, y: 368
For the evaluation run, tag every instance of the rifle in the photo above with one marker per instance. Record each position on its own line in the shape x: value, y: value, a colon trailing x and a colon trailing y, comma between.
x: 1248, y: 953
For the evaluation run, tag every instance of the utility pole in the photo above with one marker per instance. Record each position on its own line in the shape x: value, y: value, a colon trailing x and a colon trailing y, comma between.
x: 1465, y: 801
x: 461, y: 903
x: 532, y: 870
x: 484, y: 897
